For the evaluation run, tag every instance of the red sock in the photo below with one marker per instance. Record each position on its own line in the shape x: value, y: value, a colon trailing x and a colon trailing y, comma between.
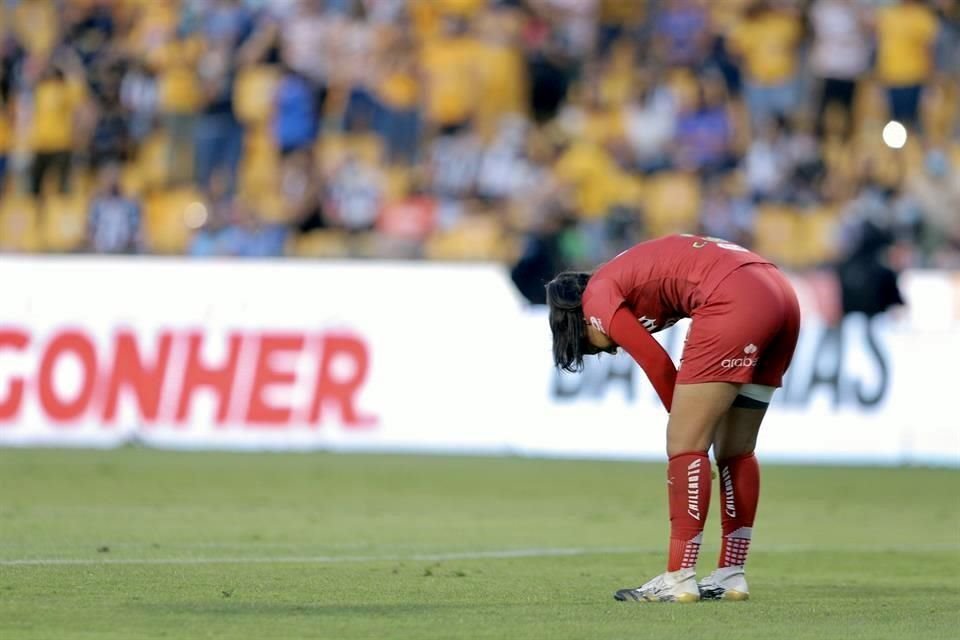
x: 740, y: 481
x: 688, y: 485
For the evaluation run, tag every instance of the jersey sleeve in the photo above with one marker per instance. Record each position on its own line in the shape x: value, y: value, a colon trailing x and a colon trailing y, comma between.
x: 601, y: 299
x: 646, y: 351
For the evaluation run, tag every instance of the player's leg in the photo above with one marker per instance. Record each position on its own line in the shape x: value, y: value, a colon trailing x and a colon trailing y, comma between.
x: 697, y: 409
x: 737, y: 431
x: 734, y: 442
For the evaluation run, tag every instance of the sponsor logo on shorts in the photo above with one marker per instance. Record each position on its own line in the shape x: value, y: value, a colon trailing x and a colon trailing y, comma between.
x: 744, y: 361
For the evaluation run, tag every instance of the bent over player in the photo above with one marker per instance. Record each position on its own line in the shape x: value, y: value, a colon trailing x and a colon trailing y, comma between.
x: 744, y: 330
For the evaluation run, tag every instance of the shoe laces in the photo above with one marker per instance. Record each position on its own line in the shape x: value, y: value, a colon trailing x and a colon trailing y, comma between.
x: 655, y: 584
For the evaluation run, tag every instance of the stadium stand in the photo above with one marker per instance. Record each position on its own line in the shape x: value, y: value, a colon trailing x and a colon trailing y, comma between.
x: 459, y: 129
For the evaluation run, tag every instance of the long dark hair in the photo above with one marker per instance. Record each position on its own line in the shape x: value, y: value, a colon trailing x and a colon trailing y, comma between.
x: 565, y: 298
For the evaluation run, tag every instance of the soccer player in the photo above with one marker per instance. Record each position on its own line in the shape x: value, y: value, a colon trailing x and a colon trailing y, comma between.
x: 745, y: 326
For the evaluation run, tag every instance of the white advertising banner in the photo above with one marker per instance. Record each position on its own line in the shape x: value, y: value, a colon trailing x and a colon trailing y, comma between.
x: 418, y: 357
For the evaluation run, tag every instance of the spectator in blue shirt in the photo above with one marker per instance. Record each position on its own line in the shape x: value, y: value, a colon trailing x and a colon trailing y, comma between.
x: 704, y: 135
x: 295, y: 120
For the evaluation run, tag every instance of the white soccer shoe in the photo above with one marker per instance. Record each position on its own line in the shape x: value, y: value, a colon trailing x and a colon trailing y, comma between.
x: 672, y: 586
x: 728, y: 583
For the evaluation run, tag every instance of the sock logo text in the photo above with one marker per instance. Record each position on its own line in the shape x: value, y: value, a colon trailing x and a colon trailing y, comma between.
x: 728, y: 504
x: 693, y: 489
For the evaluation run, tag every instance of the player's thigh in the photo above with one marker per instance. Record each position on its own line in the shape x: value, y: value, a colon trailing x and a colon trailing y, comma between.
x: 776, y: 358
x: 696, y: 411
x: 736, y: 433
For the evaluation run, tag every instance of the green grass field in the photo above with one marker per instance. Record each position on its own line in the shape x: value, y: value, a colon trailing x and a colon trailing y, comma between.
x: 146, y: 544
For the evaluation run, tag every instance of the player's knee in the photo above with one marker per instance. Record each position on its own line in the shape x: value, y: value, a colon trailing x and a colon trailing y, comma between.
x: 727, y: 450
x: 687, y: 441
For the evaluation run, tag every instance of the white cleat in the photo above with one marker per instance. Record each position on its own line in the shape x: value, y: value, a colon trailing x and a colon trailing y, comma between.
x: 672, y: 586
x: 728, y: 583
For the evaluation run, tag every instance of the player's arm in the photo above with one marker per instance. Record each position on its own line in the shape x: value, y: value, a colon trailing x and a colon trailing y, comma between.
x: 642, y: 347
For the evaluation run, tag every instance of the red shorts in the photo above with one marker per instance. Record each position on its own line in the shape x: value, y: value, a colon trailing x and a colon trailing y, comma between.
x: 745, y: 332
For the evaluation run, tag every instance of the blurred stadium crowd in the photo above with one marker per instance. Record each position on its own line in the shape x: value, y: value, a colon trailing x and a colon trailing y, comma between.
x: 541, y: 133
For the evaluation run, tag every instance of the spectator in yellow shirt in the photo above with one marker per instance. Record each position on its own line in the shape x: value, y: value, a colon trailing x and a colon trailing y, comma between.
x: 906, y: 33
x: 502, y: 72
x: 452, y: 76
x: 767, y: 42
x: 36, y: 25
x: 179, y: 94
x: 56, y: 100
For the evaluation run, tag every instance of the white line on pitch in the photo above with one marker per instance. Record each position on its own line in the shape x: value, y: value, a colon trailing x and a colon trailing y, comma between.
x: 494, y: 554
x: 416, y: 557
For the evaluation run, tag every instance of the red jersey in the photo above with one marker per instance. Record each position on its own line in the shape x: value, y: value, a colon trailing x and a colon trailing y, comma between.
x: 653, y: 285
x: 661, y: 281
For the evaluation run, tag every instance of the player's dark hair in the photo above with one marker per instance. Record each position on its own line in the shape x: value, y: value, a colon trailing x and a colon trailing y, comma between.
x: 565, y: 298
